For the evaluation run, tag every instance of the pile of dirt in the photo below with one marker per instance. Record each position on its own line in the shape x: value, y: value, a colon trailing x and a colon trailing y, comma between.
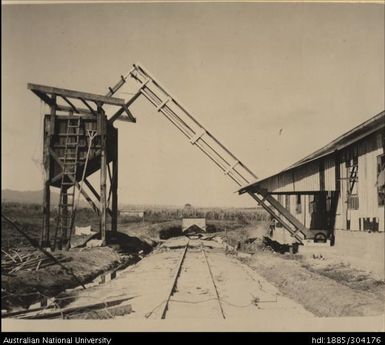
x: 173, y: 228
x: 149, y: 230
x: 123, y: 243
x: 318, y: 293
x: 247, y: 239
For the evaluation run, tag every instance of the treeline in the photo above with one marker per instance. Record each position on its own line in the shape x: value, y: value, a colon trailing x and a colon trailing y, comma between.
x: 32, y: 213
x: 239, y: 215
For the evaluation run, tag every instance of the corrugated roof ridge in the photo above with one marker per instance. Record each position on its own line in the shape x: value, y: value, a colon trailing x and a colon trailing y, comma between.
x: 338, y: 139
x: 314, y: 156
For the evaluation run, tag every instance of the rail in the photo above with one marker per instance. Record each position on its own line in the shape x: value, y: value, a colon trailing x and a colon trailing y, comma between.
x: 176, y: 276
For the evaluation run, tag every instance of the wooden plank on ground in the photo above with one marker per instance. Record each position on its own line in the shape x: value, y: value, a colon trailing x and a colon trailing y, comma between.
x: 80, y: 309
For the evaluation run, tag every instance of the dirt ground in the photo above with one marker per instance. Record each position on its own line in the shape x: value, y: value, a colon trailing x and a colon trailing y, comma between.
x: 319, y: 284
x: 26, y: 287
x: 323, y: 282
x: 29, y: 287
x: 263, y: 284
x: 324, y: 288
x: 243, y: 292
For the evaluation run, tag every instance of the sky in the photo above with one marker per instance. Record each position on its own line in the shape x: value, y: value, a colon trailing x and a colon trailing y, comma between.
x: 273, y: 82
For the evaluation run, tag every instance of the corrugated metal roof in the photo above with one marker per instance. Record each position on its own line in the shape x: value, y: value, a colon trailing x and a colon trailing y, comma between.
x: 357, y: 133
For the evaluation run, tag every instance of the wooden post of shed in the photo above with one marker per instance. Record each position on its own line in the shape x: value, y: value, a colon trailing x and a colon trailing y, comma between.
x: 103, y: 174
x: 114, y: 220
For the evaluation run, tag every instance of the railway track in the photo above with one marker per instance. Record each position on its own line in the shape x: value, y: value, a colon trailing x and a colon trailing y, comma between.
x: 193, y: 285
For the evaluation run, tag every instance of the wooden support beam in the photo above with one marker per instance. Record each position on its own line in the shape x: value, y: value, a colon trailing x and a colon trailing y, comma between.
x: 104, y: 313
x: 81, y: 111
x: 286, y: 214
x: 88, y: 106
x: 122, y: 109
x: 120, y: 83
x: 273, y: 214
x: 52, y: 117
x: 45, y: 98
x: 92, y: 189
x: 92, y: 97
x: 89, y: 200
x: 110, y: 180
x: 337, y: 170
x: 44, y: 238
x: 83, y: 117
x: 66, y: 311
x: 89, y: 111
x: 300, y: 192
x: 64, y: 235
x: 96, y: 194
x: 130, y: 117
x: 322, y: 175
x: 114, y: 188
x: 70, y: 104
x: 103, y: 176
x: 60, y: 107
x: 69, y: 109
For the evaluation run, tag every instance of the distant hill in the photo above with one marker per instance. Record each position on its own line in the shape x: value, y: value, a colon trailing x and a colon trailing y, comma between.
x: 27, y: 197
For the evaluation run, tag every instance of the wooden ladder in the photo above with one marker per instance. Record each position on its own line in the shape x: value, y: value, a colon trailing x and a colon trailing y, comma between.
x: 200, y: 137
x: 353, y: 178
x: 70, y: 160
x: 281, y: 215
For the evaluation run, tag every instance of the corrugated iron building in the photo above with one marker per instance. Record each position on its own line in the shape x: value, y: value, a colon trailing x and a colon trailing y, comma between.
x: 341, y: 185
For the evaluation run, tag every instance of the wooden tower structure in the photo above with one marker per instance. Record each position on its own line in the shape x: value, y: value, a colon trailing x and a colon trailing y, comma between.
x: 63, y: 161
x: 79, y: 140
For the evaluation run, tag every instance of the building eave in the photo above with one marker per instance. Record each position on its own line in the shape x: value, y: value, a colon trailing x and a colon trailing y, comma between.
x: 359, y: 132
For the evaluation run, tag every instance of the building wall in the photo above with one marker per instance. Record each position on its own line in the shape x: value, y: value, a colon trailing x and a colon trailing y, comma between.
x: 290, y: 202
x: 330, y: 172
x: 304, y: 178
x: 368, y: 150
x: 367, y: 248
x: 307, y: 179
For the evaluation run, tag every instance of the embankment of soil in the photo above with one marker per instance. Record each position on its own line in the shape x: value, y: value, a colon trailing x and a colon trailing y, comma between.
x: 173, y: 228
x: 30, y: 286
x: 27, y: 287
x: 317, y: 292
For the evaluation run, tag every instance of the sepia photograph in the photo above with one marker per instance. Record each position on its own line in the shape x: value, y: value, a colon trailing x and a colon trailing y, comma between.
x: 193, y: 166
